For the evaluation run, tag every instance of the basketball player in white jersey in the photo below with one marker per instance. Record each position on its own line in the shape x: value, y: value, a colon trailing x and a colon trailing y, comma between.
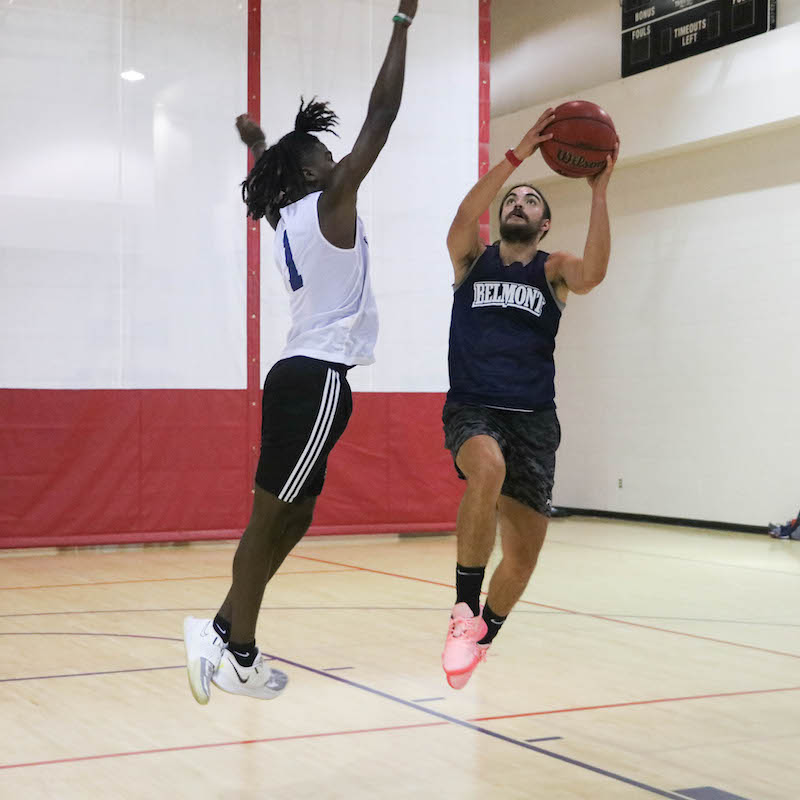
x: 322, y: 253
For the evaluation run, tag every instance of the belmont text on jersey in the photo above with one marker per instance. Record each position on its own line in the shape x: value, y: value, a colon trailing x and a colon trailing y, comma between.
x: 503, y: 335
x: 503, y: 294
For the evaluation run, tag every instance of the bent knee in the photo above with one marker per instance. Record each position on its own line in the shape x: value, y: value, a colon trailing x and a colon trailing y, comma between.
x: 482, y: 462
x: 299, y: 515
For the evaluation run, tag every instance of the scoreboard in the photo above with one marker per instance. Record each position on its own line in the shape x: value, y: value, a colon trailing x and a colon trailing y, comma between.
x: 658, y: 32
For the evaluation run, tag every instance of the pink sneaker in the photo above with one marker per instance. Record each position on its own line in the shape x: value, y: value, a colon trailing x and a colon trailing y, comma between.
x: 462, y: 653
x: 460, y: 681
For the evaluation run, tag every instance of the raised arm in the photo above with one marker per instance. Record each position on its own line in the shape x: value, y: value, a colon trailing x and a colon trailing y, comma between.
x: 463, y: 239
x: 384, y: 103
x: 581, y: 275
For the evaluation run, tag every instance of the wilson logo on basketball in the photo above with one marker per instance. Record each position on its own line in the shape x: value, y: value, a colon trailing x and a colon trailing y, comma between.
x: 575, y: 160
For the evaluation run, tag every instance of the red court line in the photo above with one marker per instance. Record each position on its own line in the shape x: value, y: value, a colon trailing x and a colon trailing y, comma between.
x: 637, y: 703
x: 183, y: 748
x: 162, y: 580
x: 565, y: 610
x: 376, y: 571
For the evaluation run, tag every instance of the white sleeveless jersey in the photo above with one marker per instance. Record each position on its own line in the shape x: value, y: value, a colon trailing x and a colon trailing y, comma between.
x: 334, y: 316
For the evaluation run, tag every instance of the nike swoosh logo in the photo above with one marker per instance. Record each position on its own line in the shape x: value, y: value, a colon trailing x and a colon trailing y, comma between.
x: 241, y: 680
x: 498, y: 621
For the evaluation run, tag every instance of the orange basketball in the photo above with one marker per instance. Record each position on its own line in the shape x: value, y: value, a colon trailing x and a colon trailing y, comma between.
x: 583, y: 135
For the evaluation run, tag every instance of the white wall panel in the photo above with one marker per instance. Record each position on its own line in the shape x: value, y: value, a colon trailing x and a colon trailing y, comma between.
x: 680, y: 374
x: 121, y: 233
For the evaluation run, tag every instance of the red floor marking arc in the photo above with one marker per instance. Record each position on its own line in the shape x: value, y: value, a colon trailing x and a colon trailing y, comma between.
x: 164, y: 580
x: 182, y: 748
x: 559, y: 608
x: 637, y: 703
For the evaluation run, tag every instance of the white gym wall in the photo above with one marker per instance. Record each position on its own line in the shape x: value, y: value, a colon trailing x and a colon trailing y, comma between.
x: 680, y: 374
x: 121, y: 233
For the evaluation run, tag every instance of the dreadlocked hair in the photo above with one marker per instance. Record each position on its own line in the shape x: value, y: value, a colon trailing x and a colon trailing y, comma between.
x: 277, y: 178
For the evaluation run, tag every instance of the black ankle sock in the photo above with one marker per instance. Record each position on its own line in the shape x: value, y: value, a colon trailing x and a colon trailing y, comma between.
x: 223, y: 628
x: 245, y: 654
x: 493, y: 624
x: 468, y: 586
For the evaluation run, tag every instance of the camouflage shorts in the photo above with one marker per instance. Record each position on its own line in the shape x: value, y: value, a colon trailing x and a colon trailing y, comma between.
x: 528, y: 441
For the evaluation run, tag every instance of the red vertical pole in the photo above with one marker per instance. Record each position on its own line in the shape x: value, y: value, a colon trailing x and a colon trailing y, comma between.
x: 484, y: 97
x: 253, y: 250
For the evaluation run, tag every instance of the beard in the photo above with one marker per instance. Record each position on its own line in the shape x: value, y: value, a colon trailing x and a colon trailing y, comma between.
x: 517, y: 234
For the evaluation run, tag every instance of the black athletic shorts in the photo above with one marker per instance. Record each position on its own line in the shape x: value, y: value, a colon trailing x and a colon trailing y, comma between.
x: 305, y: 410
x: 527, y: 439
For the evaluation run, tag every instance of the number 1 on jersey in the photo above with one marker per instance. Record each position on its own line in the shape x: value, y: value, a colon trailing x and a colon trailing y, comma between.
x: 295, y: 278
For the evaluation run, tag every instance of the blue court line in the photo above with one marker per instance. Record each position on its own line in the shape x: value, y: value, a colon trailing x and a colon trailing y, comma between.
x: 335, y: 669
x: 545, y: 739
x: 427, y: 699
x: 478, y: 729
x: 709, y: 793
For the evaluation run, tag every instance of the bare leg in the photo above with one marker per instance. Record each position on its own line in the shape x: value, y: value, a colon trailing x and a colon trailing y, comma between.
x: 274, y: 529
x: 522, y: 532
x: 482, y: 462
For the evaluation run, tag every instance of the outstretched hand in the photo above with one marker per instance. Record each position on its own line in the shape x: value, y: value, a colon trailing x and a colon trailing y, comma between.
x: 249, y: 131
x: 533, y: 139
x: 408, y: 7
x: 599, y: 182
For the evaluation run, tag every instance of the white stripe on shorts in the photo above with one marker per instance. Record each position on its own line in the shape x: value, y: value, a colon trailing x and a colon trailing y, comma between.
x: 316, y: 441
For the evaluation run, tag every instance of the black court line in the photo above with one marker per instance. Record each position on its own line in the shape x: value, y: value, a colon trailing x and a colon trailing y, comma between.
x: 672, y: 558
x: 443, y: 609
x: 517, y: 610
x: 709, y: 793
x: 89, y: 674
x: 478, y: 729
x: 83, y: 633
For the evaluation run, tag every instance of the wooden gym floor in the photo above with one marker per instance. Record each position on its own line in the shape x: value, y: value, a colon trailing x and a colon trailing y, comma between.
x: 645, y: 661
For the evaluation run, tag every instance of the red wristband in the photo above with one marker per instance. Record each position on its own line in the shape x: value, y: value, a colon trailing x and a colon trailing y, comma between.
x: 515, y: 162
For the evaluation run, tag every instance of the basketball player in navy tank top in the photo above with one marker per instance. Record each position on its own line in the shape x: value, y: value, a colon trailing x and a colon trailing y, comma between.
x: 322, y: 254
x: 500, y: 419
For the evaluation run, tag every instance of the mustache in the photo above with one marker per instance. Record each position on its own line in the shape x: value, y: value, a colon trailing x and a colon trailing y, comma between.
x: 518, y: 212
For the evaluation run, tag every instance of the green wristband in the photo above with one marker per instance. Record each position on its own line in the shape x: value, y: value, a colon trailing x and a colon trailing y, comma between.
x: 404, y: 19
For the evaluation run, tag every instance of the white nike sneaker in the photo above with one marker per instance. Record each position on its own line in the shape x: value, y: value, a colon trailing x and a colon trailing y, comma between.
x: 258, y: 681
x: 204, y: 650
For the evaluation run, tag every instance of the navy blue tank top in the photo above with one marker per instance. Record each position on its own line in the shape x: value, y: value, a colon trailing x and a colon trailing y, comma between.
x: 503, y: 334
